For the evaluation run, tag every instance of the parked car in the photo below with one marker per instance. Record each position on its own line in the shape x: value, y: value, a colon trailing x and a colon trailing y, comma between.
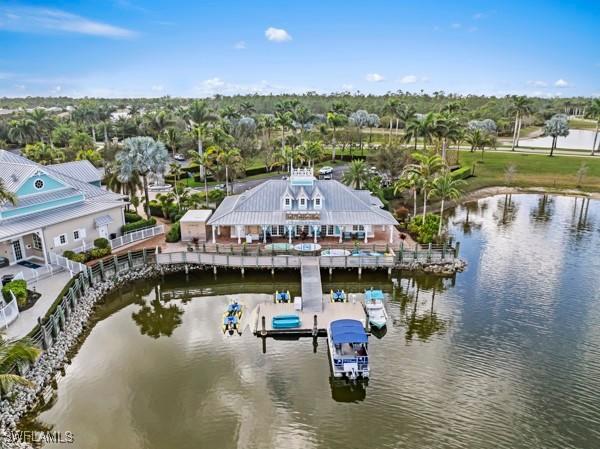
x: 179, y: 157
x: 327, y: 170
x: 219, y: 187
x: 285, y: 178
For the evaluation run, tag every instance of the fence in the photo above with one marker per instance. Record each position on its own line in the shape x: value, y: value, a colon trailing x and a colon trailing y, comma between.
x: 8, y: 312
x: 134, y: 236
x: 130, y: 237
x: 61, y: 261
x: 35, y: 274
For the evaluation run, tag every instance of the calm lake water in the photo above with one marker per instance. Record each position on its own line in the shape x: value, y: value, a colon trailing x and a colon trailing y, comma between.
x: 507, y: 355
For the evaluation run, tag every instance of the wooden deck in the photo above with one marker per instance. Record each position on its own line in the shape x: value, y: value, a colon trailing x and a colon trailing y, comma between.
x: 312, y: 291
x: 330, y: 312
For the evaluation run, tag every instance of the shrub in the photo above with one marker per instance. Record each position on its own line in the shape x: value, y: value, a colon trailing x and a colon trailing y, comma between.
x: 174, y: 234
x: 155, y: 209
x: 68, y: 254
x: 101, y: 242
x: 402, y: 213
x: 97, y: 253
x: 19, y: 289
x: 132, y: 217
x: 425, y: 232
x: 462, y: 173
x: 80, y: 257
x: 139, y: 225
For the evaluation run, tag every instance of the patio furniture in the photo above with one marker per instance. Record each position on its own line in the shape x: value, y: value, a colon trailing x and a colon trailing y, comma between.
x: 360, y: 235
x: 347, y: 235
x: 4, y: 262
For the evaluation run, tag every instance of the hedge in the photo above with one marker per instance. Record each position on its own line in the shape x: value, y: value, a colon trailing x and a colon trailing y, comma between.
x: 174, y: 234
x: 425, y: 232
x: 139, y: 225
x: 132, y: 217
x: 19, y: 289
x: 101, y: 242
x: 462, y: 173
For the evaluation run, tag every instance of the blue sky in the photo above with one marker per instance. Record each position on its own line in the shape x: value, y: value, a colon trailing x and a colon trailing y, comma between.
x: 133, y: 48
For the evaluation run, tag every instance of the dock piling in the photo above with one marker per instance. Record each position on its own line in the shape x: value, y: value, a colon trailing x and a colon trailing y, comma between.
x: 315, y: 330
x: 263, y: 332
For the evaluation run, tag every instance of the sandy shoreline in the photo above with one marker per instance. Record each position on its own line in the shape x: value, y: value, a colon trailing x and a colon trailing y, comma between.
x: 503, y: 190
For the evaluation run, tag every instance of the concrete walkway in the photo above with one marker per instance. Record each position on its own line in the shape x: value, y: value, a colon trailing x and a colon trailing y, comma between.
x: 49, y: 289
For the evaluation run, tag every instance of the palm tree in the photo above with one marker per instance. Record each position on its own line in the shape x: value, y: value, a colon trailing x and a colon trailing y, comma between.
x: 198, y: 116
x: 89, y: 155
x: 21, y: 130
x: 335, y: 120
x: 372, y: 122
x: 86, y: 114
x: 356, y: 175
x: 141, y: 156
x: 229, y: 113
x: 594, y: 112
x: 285, y: 120
x: 104, y: 115
x: 359, y: 119
x: 229, y: 159
x: 157, y: 122
x: 304, y: 117
x: 43, y: 153
x: 425, y: 168
x: 42, y: 123
x: 411, y: 181
x: 557, y: 126
x: 171, y: 139
x: 247, y: 108
x: 6, y: 196
x: 203, y: 161
x: 13, y: 353
x: 478, y: 140
x: 521, y: 105
x: 313, y: 151
x: 405, y: 113
x: 390, y: 109
x: 445, y: 187
x: 176, y: 170
x: 412, y: 129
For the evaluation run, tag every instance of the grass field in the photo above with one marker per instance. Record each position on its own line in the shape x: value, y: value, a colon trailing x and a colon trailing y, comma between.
x: 532, y: 171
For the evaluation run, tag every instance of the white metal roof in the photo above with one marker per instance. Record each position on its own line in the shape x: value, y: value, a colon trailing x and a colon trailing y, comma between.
x: 81, y: 170
x: 196, y: 216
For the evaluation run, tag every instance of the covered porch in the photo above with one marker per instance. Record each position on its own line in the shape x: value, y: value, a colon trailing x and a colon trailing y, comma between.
x: 296, y: 233
x: 24, y: 250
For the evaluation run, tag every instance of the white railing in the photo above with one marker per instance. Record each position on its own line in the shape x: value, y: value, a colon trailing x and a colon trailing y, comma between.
x: 8, y: 312
x: 134, y: 236
x: 61, y: 261
x: 36, y: 274
x: 83, y: 248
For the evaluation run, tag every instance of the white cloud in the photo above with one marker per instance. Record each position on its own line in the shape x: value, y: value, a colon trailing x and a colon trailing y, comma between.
x: 35, y: 20
x: 157, y: 88
x: 56, y: 89
x: 537, y: 83
x: 277, y: 34
x: 456, y: 26
x: 478, y: 16
x: 213, y: 83
x: 374, y: 77
x: 214, y: 86
x: 408, y: 79
x: 347, y: 87
x: 561, y: 83
x: 240, y: 45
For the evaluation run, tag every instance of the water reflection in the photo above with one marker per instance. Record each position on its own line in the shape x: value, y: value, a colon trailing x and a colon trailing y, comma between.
x: 344, y: 391
x: 157, y: 319
x: 506, y: 210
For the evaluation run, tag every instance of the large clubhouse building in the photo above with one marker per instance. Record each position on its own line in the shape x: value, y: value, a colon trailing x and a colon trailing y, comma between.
x: 302, y: 207
x: 58, y: 207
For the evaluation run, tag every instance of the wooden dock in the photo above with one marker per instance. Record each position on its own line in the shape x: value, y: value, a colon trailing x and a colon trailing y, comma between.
x: 330, y: 312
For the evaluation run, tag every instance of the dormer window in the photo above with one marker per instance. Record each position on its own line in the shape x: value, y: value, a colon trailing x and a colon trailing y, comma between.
x: 302, y: 202
x: 287, y: 202
x: 317, y: 203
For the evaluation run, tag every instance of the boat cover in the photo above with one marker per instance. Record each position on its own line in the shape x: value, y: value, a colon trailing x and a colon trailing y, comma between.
x: 347, y: 331
x: 374, y: 295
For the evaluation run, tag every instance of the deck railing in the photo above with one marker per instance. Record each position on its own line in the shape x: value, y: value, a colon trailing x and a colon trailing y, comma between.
x: 134, y: 236
x: 8, y: 312
x: 37, y: 274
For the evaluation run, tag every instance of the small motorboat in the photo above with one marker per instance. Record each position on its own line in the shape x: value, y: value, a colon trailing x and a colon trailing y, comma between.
x: 348, y: 345
x: 282, y: 296
x: 235, y: 309
x: 230, y: 323
x: 338, y: 296
x: 376, y: 308
x: 286, y: 321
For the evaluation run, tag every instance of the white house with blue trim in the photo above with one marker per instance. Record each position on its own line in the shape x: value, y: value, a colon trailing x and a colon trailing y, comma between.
x: 58, y: 208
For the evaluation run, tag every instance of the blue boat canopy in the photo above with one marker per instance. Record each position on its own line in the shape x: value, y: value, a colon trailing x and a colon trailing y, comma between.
x: 348, y: 331
x: 374, y: 294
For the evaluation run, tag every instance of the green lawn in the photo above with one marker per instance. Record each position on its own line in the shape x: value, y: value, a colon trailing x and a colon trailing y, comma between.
x: 532, y: 170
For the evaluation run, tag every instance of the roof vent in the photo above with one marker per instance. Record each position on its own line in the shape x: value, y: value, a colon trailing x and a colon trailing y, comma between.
x: 14, y: 177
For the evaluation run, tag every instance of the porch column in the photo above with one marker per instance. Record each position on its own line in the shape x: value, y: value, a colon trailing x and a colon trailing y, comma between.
x: 238, y: 231
x: 214, y: 237
x: 219, y: 230
x: 315, y: 229
x: 41, y: 234
x: 290, y: 234
x: 391, y: 233
x: 264, y: 228
x: 365, y: 228
x: 341, y: 232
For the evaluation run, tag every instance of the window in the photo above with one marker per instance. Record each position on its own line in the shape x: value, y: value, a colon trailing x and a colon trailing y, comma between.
x: 37, y: 241
x: 331, y: 230
x: 39, y: 184
x: 317, y: 202
x: 78, y: 234
x: 358, y: 228
x: 60, y: 240
x: 287, y: 201
x: 302, y: 202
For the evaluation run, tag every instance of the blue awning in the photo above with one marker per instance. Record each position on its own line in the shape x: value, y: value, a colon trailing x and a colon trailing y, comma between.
x: 348, y: 331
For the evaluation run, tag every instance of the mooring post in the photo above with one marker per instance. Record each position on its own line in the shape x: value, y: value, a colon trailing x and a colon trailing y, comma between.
x: 215, y: 270
x: 186, y: 268
x: 242, y: 270
x: 315, y: 330
x: 330, y: 271
x: 456, y: 249
x: 272, y: 271
x: 45, y: 344
x: 101, y: 264
x: 359, y: 272
x: 389, y: 271
x: 263, y: 332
